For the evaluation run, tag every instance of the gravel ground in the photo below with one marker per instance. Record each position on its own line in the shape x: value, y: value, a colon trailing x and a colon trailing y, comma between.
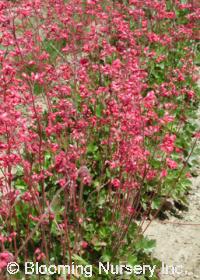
x: 178, y: 240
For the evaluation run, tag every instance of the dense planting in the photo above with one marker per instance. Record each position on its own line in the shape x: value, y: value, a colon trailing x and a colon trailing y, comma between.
x: 96, y: 107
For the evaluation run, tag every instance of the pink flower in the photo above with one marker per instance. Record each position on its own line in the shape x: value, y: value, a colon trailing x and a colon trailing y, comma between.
x: 5, y: 258
x: 151, y: 175
x: 171, y: 163
x: 130, y: 209
x: 197, y: 135
x: 166, y: 119
x: 80, y: 221
x: 116, y: 64
x: 84, y: 175
x: 168, y: 143
x: 115, y: 183
x: 163, y: 173
x: 39, y: 255
x: 62, y: 182
x: 27, y: 197
x: 84, y: 244
x: 150, y: 99
x: 84, y: 61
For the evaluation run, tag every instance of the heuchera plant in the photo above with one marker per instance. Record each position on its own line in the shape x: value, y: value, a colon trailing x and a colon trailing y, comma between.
x: 96, y: 99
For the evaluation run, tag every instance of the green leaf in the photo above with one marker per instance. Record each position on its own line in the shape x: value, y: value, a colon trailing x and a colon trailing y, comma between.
x: 99, y: 108
x: 155, y: 203
x: 146, y: 245
x: 79, y: 260
x: 132, y: 260
x: 106, y: 257
x: 104, y: 232
x: 92, y: 148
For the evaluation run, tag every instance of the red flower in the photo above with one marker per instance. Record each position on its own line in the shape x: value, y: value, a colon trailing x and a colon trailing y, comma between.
x: 84, y: 244
x: 5, y: 258
x: 171, y: 163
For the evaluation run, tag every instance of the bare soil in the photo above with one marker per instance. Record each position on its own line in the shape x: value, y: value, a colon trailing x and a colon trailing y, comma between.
x: 178, y: 240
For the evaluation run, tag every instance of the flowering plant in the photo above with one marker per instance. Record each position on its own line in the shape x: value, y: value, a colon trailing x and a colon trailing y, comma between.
x: 95, y: 98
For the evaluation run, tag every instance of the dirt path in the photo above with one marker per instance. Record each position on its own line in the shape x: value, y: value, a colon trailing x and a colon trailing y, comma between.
x: 179, y: 245
x: 178, y: 240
